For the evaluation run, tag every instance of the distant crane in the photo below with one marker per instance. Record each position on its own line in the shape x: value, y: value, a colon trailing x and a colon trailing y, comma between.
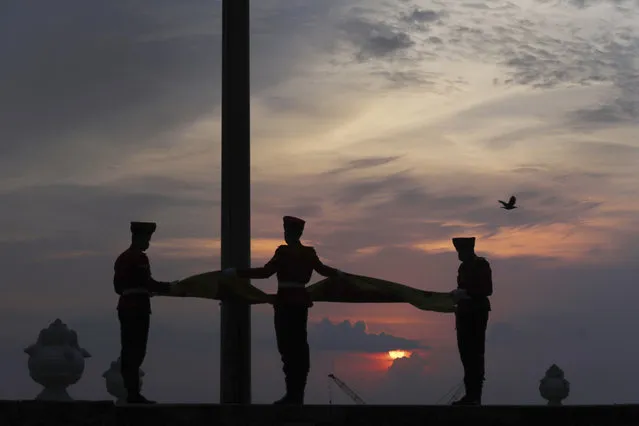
x: 348, y: 391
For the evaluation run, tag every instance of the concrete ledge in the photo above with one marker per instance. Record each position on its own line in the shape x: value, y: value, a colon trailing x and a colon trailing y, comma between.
x: 78, y: 413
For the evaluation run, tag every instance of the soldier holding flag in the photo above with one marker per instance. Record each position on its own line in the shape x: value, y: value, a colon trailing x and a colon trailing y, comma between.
x: 294, y: 264
x: 132, y: 281
x: 474, y: 286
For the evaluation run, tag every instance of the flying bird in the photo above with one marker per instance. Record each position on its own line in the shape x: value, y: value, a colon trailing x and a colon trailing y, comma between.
x: 510, y: 204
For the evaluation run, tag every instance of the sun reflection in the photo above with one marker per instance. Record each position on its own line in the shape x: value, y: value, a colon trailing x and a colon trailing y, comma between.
x: 396, y: 354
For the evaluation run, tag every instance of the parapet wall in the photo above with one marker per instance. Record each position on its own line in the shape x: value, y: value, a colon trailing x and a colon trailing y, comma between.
x: 33, y: 413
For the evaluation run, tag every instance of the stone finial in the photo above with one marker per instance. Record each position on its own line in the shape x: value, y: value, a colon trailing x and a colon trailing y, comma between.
x: 115, y: 383
x: 554, y: 387
x: 56, y: 361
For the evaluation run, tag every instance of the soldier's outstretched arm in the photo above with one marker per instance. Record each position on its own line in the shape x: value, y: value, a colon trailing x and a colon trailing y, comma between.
x: 324, y: 270
x: 264, y: 272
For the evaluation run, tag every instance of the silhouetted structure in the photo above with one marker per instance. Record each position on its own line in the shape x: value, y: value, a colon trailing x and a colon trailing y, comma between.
x: 294, y: 265
x: 133, y: 283
x: 474, y: 286
x: 235, y: 357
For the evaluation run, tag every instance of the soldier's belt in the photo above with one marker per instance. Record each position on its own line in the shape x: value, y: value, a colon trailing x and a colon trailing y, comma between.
x: 290, y: 284
x: 137, y: 290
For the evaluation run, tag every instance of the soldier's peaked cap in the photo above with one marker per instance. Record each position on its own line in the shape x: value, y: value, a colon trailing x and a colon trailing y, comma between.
x: 464, y: 243
x: 143, y: 227
x: 294, y: 222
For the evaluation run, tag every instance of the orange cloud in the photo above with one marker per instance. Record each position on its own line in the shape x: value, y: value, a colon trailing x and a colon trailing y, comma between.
x: 398, y: 353
x: 356, y: 364
x: 568, y: 242
x: 368, y: 251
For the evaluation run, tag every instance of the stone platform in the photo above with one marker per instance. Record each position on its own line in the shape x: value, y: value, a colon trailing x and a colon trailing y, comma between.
x: 32, y: 413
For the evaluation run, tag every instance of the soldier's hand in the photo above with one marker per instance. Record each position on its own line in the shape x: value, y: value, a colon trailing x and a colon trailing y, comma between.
x: 458, y: 294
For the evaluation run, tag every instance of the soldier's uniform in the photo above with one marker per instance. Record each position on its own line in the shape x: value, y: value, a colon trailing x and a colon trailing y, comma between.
x: 294, y: 265
x: 471, y: 318
x: 135, y: 286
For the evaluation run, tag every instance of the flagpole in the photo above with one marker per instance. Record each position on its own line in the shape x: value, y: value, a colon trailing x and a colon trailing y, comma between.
x: 235, y: 339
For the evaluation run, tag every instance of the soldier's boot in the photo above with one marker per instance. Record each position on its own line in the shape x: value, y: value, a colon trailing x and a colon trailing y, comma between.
x: 133, y: 393
x: 472, y: 396
x: 475, y: 393
x: 298, y: 388
x: 288, y: 397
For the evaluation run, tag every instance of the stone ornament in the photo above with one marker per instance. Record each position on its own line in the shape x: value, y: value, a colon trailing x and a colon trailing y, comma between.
x: 114, y: 382
x: 554, y: 387
x: 56, y: 361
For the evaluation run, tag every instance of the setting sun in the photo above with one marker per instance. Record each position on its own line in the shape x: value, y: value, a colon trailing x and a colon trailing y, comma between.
x: 396, y: 354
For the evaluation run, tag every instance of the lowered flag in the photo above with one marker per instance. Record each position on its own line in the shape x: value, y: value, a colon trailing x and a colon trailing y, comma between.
x: 346, y: 289
x: 215, y: 285
x: 360, y: 289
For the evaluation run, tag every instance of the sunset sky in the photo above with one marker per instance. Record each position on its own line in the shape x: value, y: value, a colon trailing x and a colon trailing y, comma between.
x: 389, y: 126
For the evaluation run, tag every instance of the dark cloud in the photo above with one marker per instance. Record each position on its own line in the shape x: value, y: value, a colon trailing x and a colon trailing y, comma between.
x: 408, y: 78
x: 409, y: 377
x: 407, y: 367
x: 353, y: 337
x: 622, y: 106
x: 364, y: 163
x: 580, y: 54
x: 363, y: 190
x: 599, y: 57
x: 374, y: 40
x: 584, y: 4
x: 421, y: 16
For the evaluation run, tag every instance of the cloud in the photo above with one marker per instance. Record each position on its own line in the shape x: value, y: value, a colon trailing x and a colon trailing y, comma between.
x: 420, y: 16
x: 84, y: 70
x: 376, y: 40
x: 364, y: 163
x: 108, y: 81
x: 353, y: 337
x: 587, y: 45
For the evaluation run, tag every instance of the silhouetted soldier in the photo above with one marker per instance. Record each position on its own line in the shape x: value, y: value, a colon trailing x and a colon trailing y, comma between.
x: 133, y: 282
x: 474, y: 285
x: 294, y: 264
